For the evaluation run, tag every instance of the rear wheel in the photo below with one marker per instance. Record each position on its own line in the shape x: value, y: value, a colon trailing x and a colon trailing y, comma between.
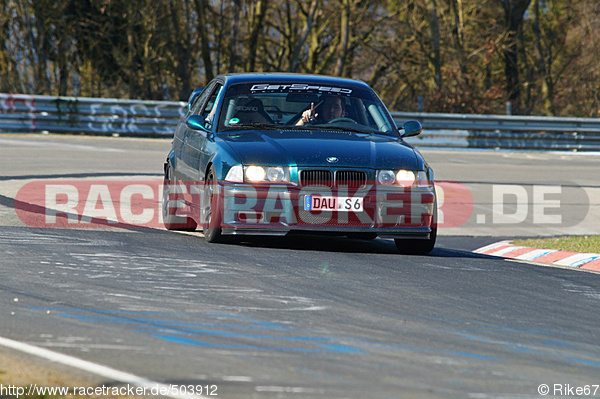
x: 170, y: 219
x: 212, y: 209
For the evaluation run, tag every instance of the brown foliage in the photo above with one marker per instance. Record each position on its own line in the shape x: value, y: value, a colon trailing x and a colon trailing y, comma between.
x: 464, y: 56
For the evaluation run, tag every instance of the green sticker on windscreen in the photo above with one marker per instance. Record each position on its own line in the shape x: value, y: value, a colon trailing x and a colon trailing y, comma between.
x: 234, y: 121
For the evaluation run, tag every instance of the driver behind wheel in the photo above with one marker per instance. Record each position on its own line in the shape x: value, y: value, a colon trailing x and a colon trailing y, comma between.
x: 331, y: 108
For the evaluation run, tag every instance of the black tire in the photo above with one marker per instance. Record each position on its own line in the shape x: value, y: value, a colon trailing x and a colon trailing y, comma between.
x: 172, y: 221
x: 213, y: 216
x: 416, y: 246
x: 419, y: 246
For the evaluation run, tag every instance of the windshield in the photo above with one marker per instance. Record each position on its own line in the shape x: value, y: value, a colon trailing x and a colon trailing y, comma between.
x: 268, y: 105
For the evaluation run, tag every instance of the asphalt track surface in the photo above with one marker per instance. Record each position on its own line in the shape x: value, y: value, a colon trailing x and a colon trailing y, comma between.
x: 304, y: 316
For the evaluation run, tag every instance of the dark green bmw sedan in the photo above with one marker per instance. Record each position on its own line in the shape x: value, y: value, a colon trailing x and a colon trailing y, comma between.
x: 273, y: 153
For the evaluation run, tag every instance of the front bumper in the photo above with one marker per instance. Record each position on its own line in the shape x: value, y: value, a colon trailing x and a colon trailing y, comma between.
x: 388, y: 211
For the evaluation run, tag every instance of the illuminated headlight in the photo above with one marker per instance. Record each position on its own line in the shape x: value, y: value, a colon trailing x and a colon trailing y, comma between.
x: 272, y: 174
x: 255, y: 173
x: 386, y: 177
x: 405, y: 178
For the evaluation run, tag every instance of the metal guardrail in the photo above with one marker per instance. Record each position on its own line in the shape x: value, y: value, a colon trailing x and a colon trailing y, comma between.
x: 515, y: 123
x: 27, y: 113
x: 504, y: 131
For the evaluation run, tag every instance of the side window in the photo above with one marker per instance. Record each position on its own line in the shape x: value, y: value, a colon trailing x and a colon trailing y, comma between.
x: 210, y: 105
x: 205, y: 105
x: 201, y: 99
x: 195, y: 102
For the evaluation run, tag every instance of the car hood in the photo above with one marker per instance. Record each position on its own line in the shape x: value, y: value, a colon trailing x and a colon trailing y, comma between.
x: 313, y: 147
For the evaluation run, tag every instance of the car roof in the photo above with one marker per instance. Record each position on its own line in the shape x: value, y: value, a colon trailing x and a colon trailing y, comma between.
x: 275, y: 77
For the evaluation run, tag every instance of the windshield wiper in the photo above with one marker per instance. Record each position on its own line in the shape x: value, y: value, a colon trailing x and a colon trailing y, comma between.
x: 253, y: 126
x: 348, y: 129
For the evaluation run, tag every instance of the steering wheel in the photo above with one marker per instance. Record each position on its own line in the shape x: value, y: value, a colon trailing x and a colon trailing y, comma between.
x: 342, y: 120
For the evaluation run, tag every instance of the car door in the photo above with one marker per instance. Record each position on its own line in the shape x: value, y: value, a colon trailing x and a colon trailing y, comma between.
x: 194, y: 154
x: 186, y: 167
x: 179, y: 138
x: 205, y: 150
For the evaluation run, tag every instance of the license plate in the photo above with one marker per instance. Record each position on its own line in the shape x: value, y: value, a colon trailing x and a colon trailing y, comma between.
x: 340, y: 204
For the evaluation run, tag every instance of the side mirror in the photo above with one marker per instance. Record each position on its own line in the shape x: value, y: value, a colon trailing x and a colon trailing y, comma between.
x: 411, y: 128
x: 196, y: 122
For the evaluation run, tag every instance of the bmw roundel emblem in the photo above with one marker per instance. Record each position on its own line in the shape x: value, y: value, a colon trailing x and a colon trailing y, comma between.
x: 332, y: 159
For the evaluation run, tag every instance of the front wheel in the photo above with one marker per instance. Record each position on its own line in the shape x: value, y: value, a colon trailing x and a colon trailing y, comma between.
x: 419, y: 247
x: 416, y: 246
x: 212, y: 209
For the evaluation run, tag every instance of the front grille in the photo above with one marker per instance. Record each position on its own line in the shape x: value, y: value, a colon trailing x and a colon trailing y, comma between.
x: 323, y: 177
x: 331, y: 219
x: 316, y: 177
x: 350, y: 178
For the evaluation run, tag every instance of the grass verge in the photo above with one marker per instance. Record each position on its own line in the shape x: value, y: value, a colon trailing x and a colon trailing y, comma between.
x: 568, y: 243
x: 23, y: 378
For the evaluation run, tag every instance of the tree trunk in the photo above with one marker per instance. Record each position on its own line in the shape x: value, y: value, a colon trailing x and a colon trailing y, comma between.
x: 544, y: 58
x: 201, y: 10
x: 234, y: 38
x: 344, y: 37
x: 458, y: 34
x: 435, y: 60
x: 308, y: 26
x: 257, y: 26
x: 514, y: 11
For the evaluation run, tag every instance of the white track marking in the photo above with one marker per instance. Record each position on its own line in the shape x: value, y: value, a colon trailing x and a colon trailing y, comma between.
x: 90, y: 367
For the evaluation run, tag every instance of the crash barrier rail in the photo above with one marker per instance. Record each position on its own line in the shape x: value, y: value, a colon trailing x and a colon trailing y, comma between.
x: 107, y: 116
x: 504, y: 131
x: 28, y: 113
